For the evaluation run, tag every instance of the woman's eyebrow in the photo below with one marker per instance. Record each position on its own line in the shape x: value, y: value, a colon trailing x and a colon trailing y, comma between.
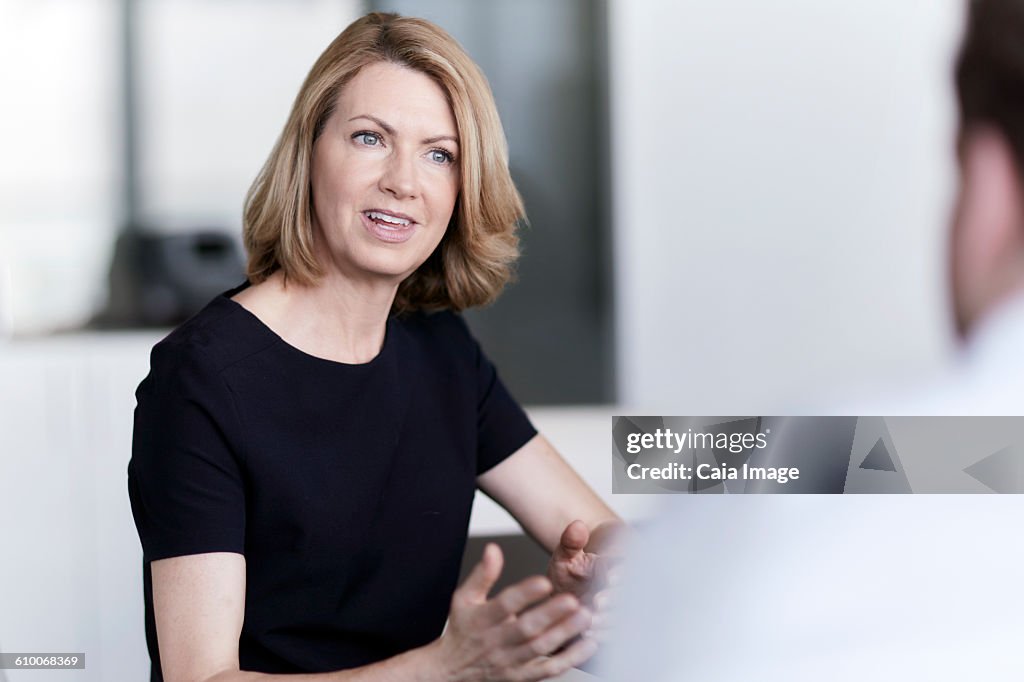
x: 390, y: 130
x: 432, y: 140
x: 387, y: 128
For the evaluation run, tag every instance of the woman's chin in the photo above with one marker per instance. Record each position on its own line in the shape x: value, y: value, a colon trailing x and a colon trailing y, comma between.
x: 391, y: 267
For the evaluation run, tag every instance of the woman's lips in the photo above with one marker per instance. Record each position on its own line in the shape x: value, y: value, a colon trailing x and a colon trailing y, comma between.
x: 388, y: 232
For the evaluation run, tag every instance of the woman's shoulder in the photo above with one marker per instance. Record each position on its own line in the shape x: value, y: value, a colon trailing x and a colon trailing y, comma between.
x: 216, y: 337
x: 441, y: 341
x: 445, y: 328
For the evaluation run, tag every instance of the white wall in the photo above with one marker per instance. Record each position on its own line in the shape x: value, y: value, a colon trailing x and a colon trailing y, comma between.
x: 59, y: 152
x: 782, y: 177
x: 216, y: 79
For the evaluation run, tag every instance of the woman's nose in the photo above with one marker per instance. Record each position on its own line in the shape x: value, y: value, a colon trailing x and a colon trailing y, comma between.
x: 399, y: 176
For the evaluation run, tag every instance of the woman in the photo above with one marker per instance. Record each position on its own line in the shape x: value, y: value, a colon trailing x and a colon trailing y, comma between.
x: 307, y: 447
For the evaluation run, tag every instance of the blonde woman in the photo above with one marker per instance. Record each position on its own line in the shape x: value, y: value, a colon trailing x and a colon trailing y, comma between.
x: 307, y: 447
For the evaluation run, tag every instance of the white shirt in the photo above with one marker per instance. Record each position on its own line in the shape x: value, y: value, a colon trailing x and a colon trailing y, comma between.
x: 826, y: 588
x: 988, y: 378
x: 832, y: 588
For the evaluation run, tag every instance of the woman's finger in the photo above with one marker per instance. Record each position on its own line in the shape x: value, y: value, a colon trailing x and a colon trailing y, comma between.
x: 614, y: 574
x: 483, y: 576
x: 535, y: 621
x: 600, y: 628
x: 574, y: 538
x: 604, y: 600
x: 514, y: 599
x: 604, y: 605
x: 553, y: 638
x: 572, y: 656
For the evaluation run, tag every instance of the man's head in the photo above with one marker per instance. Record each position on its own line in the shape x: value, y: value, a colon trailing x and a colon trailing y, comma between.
x: 987, y: 249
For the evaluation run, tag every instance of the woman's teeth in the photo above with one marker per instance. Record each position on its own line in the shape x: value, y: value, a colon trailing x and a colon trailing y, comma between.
x: 387, y: 219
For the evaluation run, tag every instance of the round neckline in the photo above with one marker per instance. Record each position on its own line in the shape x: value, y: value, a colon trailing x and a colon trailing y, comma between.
x: 279, y: 340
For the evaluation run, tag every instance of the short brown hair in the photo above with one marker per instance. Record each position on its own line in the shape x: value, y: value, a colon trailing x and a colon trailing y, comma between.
x: 990, y: 70
x: 475, y: 257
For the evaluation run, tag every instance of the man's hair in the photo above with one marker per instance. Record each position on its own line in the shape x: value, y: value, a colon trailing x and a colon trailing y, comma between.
x: 475, y: 257
x: 990, y: 70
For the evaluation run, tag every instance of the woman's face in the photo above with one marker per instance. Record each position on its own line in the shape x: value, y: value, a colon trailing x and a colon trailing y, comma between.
x: 385, y: 174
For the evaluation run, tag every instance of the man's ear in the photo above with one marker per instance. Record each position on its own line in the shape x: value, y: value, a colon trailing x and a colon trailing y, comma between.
x: 988, y: 227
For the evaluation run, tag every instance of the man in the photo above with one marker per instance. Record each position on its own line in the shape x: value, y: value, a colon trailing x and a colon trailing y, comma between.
x: 858, y: 587
x: 987, y: 240
x: 810, y: 588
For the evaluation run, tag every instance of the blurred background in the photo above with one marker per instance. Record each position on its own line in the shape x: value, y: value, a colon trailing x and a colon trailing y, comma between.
x: 735, y: 208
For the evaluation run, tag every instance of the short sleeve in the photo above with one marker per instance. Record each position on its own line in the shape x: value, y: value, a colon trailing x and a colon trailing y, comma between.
x: 185, y: 479
x: 502, y: 425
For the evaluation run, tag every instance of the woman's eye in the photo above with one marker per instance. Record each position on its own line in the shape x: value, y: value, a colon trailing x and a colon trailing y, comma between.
x: 440, y: 156
x: 369, y: 139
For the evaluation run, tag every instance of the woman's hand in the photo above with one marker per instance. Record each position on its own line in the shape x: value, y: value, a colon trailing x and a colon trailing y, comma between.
x: 514, y: 635
x: 585, y: 565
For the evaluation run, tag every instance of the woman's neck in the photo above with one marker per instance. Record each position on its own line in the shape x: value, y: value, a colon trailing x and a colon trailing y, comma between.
x: 337, y: 319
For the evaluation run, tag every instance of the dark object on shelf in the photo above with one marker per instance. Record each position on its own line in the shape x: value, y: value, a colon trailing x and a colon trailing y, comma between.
x: 161, y: 280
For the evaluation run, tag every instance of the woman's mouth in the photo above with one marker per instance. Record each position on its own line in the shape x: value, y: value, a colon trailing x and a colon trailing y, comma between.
x: 393, y: 228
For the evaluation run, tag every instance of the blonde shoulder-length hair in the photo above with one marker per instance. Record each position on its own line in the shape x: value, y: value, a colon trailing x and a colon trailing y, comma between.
x: 474, y: 259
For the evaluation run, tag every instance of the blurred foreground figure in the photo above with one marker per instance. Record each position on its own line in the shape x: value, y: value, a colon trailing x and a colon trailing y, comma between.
x: 871, y: 587
x: 807, y: 587
x: 987, y: 234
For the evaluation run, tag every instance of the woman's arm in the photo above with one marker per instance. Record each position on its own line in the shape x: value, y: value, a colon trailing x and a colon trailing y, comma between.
x: 199, y: 605
x: 545, y: 495
x: 555, y: 506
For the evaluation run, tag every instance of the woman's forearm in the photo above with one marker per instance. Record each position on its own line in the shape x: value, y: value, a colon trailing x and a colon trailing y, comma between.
x: 416, y: 665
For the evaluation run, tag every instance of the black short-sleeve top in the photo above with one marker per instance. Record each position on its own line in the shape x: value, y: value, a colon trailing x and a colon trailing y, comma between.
x: 347, y: 488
